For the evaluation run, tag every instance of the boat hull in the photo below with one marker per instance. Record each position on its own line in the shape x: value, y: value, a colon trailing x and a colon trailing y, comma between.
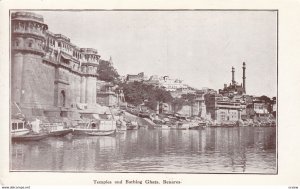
x: 20, y: 132
x: 30, y: 137
x: 62, y: 132
x: 94, y: 132
x: 178, y: 128
x: 132, y: 127
x: 195, y: 127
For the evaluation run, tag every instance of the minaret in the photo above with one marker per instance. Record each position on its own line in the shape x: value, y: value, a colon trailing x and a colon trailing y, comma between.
x: 244, y: 77
x: 233, y: 82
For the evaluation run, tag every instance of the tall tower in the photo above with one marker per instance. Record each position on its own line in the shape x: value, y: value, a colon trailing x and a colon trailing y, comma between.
x: 233, y: 81
x: 28, y: 37
x: 244, y: 77
x: 89, y: 67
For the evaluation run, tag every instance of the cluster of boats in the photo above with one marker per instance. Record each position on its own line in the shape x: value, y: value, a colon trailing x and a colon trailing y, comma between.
x: 35, y: 130
x: 22, y: 131
x: 177, y: 124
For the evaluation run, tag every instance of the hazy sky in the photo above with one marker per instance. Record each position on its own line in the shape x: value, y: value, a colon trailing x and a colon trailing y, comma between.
x: 199, y: 47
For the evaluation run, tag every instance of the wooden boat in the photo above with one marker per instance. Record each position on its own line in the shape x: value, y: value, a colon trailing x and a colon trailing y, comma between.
x: 101, y: 133
x: 62, y: 132
x: 93, y: 132
x: 56, y: 129
x: 35, y: 133
x: 194, y: 125
x: 165, y: 127
x: 30, y: 137
x: 94, y: 128
x: 180, y: 126
x: 132, y: 125
x: 18, y: 128
x: 203, y: 124
x: 197, y: 127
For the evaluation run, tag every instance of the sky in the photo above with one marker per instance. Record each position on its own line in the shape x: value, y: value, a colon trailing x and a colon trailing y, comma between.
x: 199, y: 47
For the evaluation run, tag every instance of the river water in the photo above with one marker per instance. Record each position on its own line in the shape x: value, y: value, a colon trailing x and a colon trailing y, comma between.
x: 210, y: 150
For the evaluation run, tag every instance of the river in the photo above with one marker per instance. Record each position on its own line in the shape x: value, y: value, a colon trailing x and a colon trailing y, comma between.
x: 210, y: 150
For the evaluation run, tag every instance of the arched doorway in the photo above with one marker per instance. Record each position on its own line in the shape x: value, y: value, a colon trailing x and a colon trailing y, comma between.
x: 63, y: 98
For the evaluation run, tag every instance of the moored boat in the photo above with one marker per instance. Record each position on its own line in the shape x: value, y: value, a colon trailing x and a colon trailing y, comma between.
x: 194, y: 125
x: 61, y: 132
x: 30, y: 137
x: 56, y: 129
x: 132, y: 125
x: 203, y: 124
x: 101, y: 133
x: 96, y: 128
x: 18, y: 128
x: 165, y: 127
x: 35, y: 133
x: 180, y: 126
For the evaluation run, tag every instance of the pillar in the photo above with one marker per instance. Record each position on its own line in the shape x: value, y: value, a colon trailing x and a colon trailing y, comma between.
x: 91, y: 90
x: 83, y: 89
x: 17, y: 75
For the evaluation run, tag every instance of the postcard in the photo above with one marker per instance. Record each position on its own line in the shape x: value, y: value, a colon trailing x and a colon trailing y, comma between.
x: 148, y: 95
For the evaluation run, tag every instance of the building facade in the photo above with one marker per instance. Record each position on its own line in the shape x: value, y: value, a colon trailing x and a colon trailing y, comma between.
x: 49, y: 73
x: 108, y: 96
x: 132, y: 78
x: 222, y: 109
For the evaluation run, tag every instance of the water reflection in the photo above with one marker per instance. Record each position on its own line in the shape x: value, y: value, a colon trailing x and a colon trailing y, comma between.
x: 211, y: 150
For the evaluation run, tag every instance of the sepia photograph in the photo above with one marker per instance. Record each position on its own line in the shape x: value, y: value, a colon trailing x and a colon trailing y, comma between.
x: 190, y: 91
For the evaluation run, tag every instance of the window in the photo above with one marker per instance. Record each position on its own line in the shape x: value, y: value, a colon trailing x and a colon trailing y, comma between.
x: 17, y: 43
x: 14, y: 126
x: 20, y: 125
x: 30, y: 44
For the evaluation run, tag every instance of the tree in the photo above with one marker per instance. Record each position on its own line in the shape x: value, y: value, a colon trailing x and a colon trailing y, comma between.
x: 137, y: 93
x: 189, y: 97
x: 106, y: 72
x: 265, y: 99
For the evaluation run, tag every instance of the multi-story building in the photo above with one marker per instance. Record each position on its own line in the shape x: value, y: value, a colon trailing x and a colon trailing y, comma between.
x: 171, y: 84
x: 257, y: 108
x: 132, y: 78
x: 50, y: 74
x: 153, y: 80
x: 223, y: 109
